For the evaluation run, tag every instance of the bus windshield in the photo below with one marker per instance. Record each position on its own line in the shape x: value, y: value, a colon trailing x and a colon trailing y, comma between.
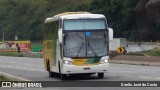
x: 84, y: 24
x: 85, y: 44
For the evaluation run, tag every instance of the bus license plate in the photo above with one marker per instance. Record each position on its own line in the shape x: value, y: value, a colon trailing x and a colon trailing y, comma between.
x: 88, y: 68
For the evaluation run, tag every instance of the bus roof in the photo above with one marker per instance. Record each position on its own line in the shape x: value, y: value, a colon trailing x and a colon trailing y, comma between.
x: 69, y: 13
x: 73, y: 15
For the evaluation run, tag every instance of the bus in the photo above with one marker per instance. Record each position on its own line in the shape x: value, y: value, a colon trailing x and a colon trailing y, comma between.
x: 76, y: 43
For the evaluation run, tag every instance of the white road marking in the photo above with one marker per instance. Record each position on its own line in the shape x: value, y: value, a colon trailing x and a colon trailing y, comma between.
x: 158, y: 78
x: 11, y: 76
x: 127, y: 71
x: 144, y: 77
x: 151, y: 78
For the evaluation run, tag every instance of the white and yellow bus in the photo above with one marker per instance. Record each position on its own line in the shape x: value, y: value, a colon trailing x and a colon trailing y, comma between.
x: 76, y: 43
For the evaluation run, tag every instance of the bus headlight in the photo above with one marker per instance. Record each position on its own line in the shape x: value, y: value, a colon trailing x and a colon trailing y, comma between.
x: 67, y: 62
x: 104, y: 61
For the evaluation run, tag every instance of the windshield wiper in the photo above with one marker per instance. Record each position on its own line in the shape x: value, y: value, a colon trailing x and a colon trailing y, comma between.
x: 79, y: 49
x: 92, y: 49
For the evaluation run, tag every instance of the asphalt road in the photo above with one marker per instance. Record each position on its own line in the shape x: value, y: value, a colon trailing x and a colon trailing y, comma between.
x: 32, y: 69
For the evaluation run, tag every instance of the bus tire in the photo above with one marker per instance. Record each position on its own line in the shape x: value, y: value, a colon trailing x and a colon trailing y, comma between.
x: 51, y: 74
x: 62, y: 76
x: 100, y: 75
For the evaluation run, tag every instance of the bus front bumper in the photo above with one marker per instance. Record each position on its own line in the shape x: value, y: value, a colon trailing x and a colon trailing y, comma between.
x: 72, y: 69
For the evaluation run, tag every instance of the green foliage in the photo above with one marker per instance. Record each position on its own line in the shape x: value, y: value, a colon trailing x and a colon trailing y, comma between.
x: 154, y: 52
x: 20, y: 17
x: 8, y: 54
x: 25, y: 17
x: 3, y: 78
x: 36, y: 44
x: 120, y: 14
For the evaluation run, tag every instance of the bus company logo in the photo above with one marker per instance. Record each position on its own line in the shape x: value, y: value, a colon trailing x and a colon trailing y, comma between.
x: 78, y: 60
x: 6, y: 84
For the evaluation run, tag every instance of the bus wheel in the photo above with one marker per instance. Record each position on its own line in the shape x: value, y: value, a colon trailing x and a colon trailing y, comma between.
x: 51, y: 74
x: 63, y: 76
x: 100, y: 75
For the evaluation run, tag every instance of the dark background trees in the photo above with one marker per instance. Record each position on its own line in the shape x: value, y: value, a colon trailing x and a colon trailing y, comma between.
x: 132, y: 19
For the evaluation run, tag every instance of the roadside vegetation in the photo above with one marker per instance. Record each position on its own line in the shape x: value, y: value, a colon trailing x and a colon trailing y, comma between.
x: 130, y: 19
x: 153, y: 52
x: 8, y: 54
x: 25, y: 18
x: 3, y: 78
x: 34, y: 44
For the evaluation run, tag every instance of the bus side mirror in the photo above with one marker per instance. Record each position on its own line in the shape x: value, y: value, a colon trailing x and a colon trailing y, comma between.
x: 60, y: 36
x: 110, y: 32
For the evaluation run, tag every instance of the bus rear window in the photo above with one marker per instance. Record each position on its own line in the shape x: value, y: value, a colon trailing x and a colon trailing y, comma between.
x: 91, y: 24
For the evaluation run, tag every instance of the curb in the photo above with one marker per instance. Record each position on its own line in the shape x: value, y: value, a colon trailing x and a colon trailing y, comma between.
x: 135, y: 62
x: 14, y: 78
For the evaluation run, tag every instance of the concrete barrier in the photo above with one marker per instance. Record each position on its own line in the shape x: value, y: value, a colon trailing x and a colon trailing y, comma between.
x: 143, y: 46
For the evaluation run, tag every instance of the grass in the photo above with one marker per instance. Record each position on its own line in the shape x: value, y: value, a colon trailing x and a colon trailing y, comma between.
x: 154, y: 52
x: 8, y: 53
x: 3, y: 78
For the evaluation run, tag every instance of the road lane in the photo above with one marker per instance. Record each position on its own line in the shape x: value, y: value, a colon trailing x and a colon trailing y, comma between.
x: 33, y: 69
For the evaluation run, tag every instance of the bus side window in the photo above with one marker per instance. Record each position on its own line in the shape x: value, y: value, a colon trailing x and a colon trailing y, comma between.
x: 54, y: 25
